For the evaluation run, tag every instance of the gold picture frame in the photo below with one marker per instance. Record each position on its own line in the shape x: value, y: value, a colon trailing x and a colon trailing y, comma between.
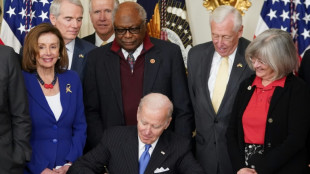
x: 241, y: 5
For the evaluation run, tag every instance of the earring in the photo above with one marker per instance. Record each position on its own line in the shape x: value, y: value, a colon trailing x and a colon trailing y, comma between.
x: 59, y: 58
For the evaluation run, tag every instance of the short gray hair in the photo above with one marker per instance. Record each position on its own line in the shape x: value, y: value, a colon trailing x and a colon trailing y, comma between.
x: 156, y: 101
x: 56, y: 4
x: 221, y: 13
x: 276, y: 48
x: 116, y: 3
x: 138, y: 7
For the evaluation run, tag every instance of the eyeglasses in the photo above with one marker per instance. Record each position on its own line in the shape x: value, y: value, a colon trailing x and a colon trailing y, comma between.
x: 122, y: 31
x: 253, y: 60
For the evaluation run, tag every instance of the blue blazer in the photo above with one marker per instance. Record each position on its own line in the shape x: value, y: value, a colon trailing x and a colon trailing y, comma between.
x: 54, y: 143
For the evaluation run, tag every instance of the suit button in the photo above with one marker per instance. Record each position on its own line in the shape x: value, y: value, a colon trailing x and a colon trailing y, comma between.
x: 216, y: 121
x: 55, y: 140
x: 55, y: 127
x: 270, y: 120
x: 268, y: 144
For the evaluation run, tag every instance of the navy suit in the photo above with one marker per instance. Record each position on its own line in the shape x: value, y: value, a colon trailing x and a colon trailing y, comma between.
x: 118, y: 151
x: 81, y: 48
x: 54, y: 142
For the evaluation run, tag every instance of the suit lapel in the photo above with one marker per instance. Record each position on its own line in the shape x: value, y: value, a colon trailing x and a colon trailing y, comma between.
x: 151, y: 67
x: 64, y: 95
x: 113, y: 70
x: 78, y: 56
x: 278, y: 92
x: 206, y: 63
x: 34, y: 89
x: 130, y: 151
x: 159, y: 155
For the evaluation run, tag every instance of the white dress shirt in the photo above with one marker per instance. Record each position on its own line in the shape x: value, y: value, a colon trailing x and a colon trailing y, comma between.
x: 216, y: 61
x: 135, y: 54
x: 98, y: 40
x: 142, y: 147
x: 55, y: 105
x: 70, y: 50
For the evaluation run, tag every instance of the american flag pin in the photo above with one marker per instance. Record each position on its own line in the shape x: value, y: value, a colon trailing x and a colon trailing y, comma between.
x: 81, y: 56
x: 152, y: 61
x: 162, y: 152
x: 239, y: 65
x: 249, y: 88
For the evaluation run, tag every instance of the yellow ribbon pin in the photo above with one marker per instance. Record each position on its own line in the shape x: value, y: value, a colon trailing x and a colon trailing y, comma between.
x: 68, y: 88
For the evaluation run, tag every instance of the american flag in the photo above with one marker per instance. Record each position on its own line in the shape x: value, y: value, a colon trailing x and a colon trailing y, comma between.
x: 19, y: 16
x: 292, y: 16
x: 173, y: 22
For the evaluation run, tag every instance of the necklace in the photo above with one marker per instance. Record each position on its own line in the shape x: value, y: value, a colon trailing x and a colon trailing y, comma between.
x: 47, y: 86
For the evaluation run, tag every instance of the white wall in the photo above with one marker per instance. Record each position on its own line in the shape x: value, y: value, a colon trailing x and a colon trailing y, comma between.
x: 198, y: 18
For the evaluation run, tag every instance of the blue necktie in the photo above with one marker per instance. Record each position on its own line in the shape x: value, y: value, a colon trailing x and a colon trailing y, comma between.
x: 144, y: 159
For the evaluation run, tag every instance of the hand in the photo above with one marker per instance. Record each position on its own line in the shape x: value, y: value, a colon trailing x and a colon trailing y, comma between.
x: 62, y: 170
x: 246, y: 171
x: 48, y: 171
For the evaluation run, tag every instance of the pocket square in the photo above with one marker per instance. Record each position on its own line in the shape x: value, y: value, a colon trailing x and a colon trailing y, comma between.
x: 160, y: 170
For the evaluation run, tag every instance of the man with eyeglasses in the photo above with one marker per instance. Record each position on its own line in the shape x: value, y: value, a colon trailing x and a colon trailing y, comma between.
x: 120, y: 73
x: 215, y: 70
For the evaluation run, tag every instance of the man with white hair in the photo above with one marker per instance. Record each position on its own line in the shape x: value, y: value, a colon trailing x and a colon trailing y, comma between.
x: 66, y: 16
x: 215, y: 70
x: 100, y: 12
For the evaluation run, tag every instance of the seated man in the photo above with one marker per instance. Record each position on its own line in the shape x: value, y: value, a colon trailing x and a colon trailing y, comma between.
x: 145, y: 148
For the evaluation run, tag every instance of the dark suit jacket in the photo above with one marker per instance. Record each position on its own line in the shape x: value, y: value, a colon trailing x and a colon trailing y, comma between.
x: 304, y: 73
x: 15, y: 123
x: 81, y: 48
x: 304, y: 69
x: 56, y: 142
x: 90, y: 38
x: 211, y: 146
x: 287, y: 126
x: 103, y: 90
x: 118, y: 151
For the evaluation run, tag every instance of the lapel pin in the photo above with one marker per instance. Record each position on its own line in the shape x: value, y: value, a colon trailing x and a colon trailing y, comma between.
x: 68, y: 88
x: 152, y: 61
x: 162, y: 152
x: 239, y: 65
x: 81, y: 56
x: 249, y: 88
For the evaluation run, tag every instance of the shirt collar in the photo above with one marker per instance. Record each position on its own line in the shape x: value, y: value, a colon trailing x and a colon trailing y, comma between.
x: 70, y: 46
x: 258, y: 83
x: 135, y: 54
x: 147, y: 45
x: 231, y: 57
x: 99, y: 40
x: 142, y: 145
